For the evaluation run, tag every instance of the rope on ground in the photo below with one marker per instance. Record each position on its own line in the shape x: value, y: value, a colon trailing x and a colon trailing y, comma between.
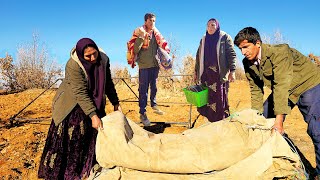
x: 294, y: 150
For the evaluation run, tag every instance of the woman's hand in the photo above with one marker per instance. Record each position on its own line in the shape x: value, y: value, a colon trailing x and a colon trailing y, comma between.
x: 117, y: 108
x: 195, y: 78
x: 232, y: 76
x: 96, y: 122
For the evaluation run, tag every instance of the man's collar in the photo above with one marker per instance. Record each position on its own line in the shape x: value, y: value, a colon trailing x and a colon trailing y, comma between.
x: 257, y: 62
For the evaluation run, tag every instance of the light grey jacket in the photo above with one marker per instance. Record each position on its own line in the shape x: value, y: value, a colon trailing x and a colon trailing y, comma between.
x: 226, y: 57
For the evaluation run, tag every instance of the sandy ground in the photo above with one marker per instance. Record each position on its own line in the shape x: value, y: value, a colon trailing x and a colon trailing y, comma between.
x: 21, y: 146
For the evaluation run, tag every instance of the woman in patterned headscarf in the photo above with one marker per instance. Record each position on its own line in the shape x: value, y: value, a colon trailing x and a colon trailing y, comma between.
x: 215, y: 67
x: 78, y: 105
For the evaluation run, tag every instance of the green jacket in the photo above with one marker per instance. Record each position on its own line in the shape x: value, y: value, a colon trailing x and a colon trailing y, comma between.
x: 146, y: 57
x: 226, y: 57
x: 286, y: 71
x: 74, y: 89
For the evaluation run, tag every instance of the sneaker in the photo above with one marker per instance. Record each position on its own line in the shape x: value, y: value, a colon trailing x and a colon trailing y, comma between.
x: 144, y: 119
x: 157, y: 110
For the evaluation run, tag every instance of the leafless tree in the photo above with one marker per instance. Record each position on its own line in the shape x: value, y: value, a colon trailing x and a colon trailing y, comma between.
x: 275, y: 38
x: 120, y: 72
x: 8, y: 72
x: 32, y: 69
x: 188, y: 68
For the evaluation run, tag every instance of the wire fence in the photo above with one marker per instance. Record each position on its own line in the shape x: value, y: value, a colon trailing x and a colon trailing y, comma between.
x: 120, y: 79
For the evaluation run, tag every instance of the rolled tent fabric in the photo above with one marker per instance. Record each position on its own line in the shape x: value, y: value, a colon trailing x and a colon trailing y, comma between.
x: 241, y: 143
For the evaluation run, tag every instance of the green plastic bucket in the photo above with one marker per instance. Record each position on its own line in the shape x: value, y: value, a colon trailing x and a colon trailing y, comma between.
x: 198, y: 99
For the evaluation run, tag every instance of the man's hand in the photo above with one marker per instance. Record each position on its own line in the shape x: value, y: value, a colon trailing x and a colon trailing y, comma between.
x: 278, y: 124
x: 96, y: 122
x: 133, y: 64
x: 232, y: 76
x: 142, y: 33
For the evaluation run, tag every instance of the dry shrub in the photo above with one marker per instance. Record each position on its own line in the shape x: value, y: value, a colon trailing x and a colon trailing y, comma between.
x: 32, y: 69
x: 315, y: 59
x: 187, y: 70
x: 275, y: 38
x: 7, y: 71
x: 118, y: 73
x: 165, y: 79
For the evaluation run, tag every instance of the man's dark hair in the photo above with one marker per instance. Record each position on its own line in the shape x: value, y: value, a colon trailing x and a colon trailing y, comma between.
x: 149, y: 15
x: 249, y: 33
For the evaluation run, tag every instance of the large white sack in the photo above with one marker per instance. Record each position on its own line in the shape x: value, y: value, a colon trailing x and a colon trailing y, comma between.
x: 212, y: 147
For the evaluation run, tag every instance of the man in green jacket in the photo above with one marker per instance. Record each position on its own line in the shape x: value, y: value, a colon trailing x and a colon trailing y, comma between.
x: 292, y: 78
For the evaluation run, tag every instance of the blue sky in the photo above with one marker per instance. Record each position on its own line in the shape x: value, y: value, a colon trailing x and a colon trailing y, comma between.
x: 60, y: 24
